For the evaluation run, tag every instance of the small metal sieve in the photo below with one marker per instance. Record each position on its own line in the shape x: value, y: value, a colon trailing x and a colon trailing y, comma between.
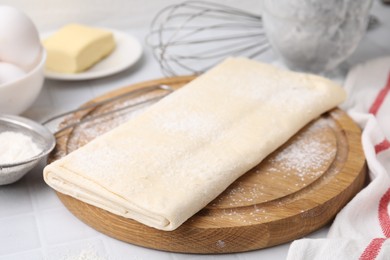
x: 41, y: 136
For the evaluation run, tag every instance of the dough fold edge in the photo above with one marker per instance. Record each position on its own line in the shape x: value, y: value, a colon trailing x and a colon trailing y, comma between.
x: 69, y: 183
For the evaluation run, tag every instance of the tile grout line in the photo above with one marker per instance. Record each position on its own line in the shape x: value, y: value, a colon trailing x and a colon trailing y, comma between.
x: 37, y: 219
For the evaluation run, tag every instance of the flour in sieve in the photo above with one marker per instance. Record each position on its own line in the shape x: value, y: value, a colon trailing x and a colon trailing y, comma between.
x: 16, y: 147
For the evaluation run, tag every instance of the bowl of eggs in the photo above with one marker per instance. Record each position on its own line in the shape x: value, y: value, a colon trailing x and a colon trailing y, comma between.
x: 22, y: 61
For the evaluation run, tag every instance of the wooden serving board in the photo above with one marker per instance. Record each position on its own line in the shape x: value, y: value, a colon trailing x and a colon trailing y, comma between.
x: 296, y: 190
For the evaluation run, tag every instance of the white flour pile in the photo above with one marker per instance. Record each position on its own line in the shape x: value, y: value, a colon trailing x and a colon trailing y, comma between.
x: 16, y: 147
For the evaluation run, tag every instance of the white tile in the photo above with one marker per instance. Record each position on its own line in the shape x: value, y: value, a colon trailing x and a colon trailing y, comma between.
x: 43, y: 196
x: 228, y: 257
x: 62, y: 94
x: 193, y: 257
x: 14, y: 199
x: 18, y: 234
x: 119, y: 250
x: 178, y: 256
x: 44, y: 97
x: 90, y: 249
x: 30, y: 255
x: 36, y: 174
x: 60, y: 226
x: 274, y: 253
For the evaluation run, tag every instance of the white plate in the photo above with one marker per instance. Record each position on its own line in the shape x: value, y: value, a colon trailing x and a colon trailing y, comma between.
x: 127, y: 52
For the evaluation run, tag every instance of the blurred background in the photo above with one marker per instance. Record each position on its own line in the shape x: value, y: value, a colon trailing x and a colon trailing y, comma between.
x: 138, y: 14
x: 120, y: 14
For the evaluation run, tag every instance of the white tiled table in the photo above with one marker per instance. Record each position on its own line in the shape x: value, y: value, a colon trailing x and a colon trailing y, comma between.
x: 35, y: 225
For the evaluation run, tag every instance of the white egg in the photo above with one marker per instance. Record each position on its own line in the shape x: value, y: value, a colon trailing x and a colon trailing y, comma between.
x: 19, y: 39
x: 9, y: 73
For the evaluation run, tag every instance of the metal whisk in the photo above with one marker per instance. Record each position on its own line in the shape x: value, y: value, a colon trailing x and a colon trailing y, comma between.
x: 193, y: 36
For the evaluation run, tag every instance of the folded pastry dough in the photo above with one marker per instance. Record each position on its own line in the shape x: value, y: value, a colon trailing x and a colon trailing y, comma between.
x: 163, y: 166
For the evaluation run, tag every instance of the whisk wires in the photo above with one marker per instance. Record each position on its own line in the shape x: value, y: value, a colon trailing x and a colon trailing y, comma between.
x: 191, y: 37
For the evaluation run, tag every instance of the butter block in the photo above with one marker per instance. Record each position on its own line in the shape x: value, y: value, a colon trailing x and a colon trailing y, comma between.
x: 75, y: 48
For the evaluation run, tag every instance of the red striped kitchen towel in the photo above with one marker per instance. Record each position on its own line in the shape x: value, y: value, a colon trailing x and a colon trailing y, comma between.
x: 362, y: 229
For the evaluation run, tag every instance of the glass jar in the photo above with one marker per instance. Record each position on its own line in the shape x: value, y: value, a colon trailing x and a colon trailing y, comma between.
x: 315, y: 35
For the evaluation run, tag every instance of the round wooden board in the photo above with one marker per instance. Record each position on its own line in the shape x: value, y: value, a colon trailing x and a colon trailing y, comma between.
x: 296, y: 190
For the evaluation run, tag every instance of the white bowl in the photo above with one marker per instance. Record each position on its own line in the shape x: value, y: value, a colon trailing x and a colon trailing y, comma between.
x: 16, y: 96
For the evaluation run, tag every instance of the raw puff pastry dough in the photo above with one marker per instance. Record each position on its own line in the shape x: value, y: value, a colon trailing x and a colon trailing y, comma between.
x: 163, y: 166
